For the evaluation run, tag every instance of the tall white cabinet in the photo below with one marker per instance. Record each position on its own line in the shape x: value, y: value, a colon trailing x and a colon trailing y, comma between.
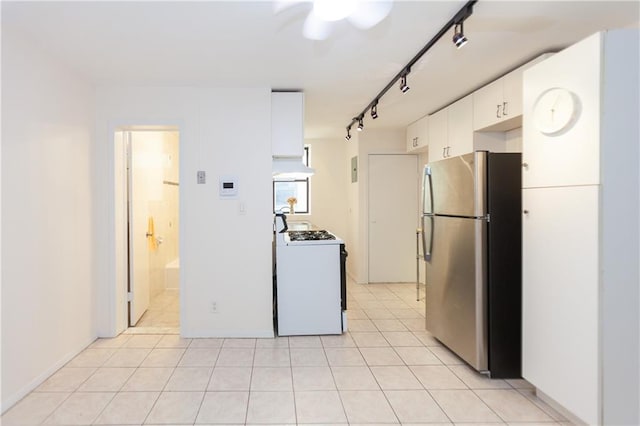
x: 581, y: 228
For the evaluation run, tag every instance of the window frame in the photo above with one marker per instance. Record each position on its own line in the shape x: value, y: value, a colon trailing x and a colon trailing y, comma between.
x: 306, y: 160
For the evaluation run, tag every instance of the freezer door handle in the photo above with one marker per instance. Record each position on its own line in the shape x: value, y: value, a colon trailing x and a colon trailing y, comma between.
x: 427, y: 228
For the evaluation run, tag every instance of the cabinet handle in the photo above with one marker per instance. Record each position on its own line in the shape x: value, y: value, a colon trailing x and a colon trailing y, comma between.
x: 525, y: 211
x: 444, y: 152
x: 415, y: 142
x: 498, y: 111
x: 504, y: 108
x: 448, y: 155
x: 525, y: 166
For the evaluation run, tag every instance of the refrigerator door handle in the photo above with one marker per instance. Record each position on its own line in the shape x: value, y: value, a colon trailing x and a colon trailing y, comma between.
x: 427, y: 248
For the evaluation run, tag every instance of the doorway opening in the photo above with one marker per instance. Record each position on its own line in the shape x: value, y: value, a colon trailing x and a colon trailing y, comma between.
x: 147, y: 174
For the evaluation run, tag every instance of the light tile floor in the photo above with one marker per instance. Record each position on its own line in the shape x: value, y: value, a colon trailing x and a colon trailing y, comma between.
x: 386, y: 369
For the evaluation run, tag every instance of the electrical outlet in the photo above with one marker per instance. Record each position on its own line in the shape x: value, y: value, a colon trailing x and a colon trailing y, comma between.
x: 214, y: 307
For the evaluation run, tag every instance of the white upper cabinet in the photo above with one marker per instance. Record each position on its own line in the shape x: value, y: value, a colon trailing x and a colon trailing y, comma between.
x: 418, y: 135
x: 287, y: 124
x: 498, y: 105
x: 438, y: 135
x: 451, y: 130
x: 460, y: 127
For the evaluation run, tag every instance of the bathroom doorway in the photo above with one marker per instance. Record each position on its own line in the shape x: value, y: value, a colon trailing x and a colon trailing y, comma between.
x: 148, y: 174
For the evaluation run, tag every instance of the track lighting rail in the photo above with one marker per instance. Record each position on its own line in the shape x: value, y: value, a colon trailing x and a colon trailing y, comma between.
x: 457, y: 20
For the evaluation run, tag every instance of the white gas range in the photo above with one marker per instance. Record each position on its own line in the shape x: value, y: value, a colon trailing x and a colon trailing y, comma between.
x: 310, y: 279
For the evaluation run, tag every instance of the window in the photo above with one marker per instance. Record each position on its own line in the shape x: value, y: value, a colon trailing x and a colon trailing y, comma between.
x: 299, y: 189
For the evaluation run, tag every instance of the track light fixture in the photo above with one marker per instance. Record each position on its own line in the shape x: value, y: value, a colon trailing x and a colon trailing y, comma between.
x: 348, y: 133
x: 459, y: 40
x: 403, y: 84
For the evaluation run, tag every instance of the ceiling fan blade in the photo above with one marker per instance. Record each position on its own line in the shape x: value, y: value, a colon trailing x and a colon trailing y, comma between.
x: 315, y: 28
x: 369, y: 13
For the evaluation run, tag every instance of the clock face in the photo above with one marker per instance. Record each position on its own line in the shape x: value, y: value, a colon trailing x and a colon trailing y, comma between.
x: 555, y: 110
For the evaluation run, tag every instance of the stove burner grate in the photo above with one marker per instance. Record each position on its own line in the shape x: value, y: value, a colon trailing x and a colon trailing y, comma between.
x: 310, y: 235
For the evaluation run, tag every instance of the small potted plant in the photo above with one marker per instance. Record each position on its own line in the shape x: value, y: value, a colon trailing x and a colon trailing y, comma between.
x: 292, y: 202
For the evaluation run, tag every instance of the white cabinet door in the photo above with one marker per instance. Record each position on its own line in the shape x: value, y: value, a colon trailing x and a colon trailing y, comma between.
x: 560, y: 296
x: 512, y: 94
x: 287, y: 124
x: 418, y: 135
x: 438, y: 135
x: 487, y: 105
x: 460, y: 127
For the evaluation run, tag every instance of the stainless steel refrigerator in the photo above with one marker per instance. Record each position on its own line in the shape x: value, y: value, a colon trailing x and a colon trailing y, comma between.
x: 471, y: 221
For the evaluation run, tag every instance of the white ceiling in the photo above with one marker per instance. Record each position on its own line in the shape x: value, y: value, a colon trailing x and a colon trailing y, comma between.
x: 245, y: 44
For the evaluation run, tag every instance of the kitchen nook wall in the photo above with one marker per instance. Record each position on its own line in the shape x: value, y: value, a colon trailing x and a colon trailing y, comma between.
x: 225, y: 243
x: 328, y: 190
x: 371, y: 141
x: 47, y: 274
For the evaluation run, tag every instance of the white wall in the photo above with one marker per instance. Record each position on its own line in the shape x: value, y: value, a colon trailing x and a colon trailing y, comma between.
x: 374, y: 141
x: 225, y: 255
x: 328, y: 185
x: 47, y: 279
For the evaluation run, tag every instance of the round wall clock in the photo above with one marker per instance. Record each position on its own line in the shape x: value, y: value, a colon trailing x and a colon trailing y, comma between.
x: 555, y: 110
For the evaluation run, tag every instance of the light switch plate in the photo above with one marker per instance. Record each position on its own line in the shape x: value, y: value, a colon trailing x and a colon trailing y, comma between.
x: 202, y: 177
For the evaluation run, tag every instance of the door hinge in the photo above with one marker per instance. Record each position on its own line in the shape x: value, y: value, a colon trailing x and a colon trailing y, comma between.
x: 129, y: 296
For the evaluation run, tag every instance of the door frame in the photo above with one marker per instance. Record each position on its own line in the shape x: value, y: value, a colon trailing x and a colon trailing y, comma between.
x: 118, y: 306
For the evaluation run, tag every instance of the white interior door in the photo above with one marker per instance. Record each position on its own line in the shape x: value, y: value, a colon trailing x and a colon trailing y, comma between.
x: 393, y: 213
x: 139, y: 272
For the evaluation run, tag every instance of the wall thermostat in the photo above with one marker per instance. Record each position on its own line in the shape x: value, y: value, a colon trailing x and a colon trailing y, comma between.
x: 228, y: 186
